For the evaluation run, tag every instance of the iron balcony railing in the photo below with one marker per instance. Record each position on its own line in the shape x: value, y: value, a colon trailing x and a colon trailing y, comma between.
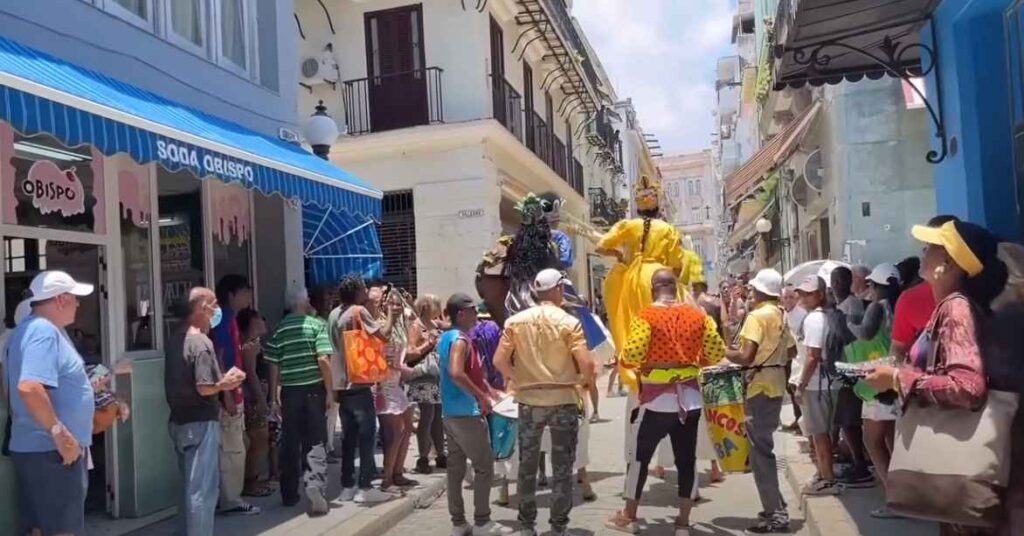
x: 508, y: 106
x: 559, y: 13
x: 604, y: 211
x: 393, y: 101
x: 533, y: 132
x: 576, y: 177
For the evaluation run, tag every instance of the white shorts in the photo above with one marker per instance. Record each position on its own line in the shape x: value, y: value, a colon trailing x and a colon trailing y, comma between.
x: 877, y: 411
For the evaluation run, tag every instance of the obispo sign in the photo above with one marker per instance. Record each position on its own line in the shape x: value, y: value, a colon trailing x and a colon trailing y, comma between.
x: 174, y: 154
x: 470, y: 213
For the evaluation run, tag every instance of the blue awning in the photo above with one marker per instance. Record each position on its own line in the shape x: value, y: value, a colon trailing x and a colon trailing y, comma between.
x: 336, y: 244
x: 43, y: 94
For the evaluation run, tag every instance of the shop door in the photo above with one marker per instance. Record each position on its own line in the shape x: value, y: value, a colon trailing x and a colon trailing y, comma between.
x: 23, y: 258
x: 1015, y: 55
x: 394, y: 63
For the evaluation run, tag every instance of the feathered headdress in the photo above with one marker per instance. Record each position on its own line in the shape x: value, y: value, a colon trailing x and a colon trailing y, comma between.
x: 647, y: 193
x: 533, y: 207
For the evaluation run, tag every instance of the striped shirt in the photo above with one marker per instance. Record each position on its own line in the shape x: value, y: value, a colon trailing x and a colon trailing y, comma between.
x: 295, y: 347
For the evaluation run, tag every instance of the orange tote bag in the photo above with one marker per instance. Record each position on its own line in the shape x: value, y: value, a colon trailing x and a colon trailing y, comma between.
x: 364, y: 355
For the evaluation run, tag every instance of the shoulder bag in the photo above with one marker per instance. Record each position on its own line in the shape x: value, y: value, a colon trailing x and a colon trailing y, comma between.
x: 952, y: 465
x: 364, y: 354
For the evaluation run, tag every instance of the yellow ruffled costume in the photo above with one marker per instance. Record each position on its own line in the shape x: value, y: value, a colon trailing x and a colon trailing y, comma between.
x: 627, y: 287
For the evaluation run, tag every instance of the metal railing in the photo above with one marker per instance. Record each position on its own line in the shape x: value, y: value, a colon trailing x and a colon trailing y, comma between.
x: 533, y: 132
x: 393, y: 101
x: 558, y: 160
x: 559, y: 14
x: 576, y: 177
x: 604, y: 211
x: 508, y: 106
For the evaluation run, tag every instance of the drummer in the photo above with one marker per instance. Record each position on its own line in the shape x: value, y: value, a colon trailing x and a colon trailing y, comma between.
x: 668, y: 343
x: 766, y: 348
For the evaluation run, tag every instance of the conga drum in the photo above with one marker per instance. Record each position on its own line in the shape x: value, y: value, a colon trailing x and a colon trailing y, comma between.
x: 723, y: 390
x: 502, y: 423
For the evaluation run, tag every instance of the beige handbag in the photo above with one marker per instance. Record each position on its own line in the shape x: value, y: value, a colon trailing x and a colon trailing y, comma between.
x: 952, y: 465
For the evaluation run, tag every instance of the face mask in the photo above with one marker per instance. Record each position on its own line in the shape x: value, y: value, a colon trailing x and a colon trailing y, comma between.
x: 218, y: 315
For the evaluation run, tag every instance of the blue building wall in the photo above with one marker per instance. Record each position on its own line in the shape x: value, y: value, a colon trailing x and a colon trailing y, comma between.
x: 977, y: 181
x: 81, y: 32
x: 84, y: 34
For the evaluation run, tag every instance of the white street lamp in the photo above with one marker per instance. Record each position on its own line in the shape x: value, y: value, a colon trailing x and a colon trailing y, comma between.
x: 320, y: 131
x: 763, y: 226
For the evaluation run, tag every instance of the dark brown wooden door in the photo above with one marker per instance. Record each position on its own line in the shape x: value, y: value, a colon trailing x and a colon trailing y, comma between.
x: 528, y: 105
x: 397, y: 82
x: 498, y: 93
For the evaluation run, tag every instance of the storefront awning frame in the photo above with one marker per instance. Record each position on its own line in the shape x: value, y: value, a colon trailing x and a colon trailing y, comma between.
x: 41, y: 94
x: 826, y: 42
x: 748, y: 178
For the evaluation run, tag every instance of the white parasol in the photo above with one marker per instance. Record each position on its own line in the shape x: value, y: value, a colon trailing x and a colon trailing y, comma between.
x: 821, y: 268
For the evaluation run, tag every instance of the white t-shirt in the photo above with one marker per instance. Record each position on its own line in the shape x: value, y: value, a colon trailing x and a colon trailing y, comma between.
x: 813, y: 336
x: 796, y: 321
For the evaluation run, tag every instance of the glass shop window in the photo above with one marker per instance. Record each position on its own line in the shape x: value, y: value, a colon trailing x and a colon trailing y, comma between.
x: 45, y: 184
x: 134, y: 185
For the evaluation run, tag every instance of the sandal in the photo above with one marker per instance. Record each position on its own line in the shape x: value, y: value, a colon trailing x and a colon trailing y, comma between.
x: 621, y: 523
x: 263, y: 490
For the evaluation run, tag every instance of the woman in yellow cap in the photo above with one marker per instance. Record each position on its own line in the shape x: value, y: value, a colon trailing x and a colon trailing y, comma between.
x: 642, y: 246
x: 945, y: 368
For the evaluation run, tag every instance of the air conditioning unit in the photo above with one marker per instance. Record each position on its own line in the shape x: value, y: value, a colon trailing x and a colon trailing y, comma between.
x: 322, y: 69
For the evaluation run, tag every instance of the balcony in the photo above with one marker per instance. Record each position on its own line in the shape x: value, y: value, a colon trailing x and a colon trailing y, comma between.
x: 604, y: 211
x: 532, y: 131
x: 508, y: 106
x: 393, y: 101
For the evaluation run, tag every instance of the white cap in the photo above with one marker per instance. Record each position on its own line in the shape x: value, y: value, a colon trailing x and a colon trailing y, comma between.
x: 769, y: 282
x: 547, y: 279
x: 883, y: 272
x: 53, y: 283
x: 22, y: 311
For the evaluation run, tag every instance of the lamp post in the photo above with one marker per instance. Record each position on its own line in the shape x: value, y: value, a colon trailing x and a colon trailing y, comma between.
x: 320, y: 131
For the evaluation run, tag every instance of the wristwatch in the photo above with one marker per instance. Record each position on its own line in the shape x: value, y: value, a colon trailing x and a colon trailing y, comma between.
x: 57, y: 428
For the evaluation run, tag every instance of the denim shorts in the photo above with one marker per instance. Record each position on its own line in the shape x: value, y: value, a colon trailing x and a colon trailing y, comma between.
x: 52, y: 494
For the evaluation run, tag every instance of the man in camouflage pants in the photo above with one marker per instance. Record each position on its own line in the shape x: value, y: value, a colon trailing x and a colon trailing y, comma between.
x: 544, y: 355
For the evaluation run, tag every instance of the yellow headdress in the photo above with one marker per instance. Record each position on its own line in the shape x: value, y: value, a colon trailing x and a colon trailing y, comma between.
x: 647, y: 193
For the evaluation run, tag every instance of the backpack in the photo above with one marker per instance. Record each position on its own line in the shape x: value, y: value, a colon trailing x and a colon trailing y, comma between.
x: 837, y: 336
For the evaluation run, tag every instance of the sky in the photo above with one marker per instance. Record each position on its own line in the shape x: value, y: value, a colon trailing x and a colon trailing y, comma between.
x: 663, y: 53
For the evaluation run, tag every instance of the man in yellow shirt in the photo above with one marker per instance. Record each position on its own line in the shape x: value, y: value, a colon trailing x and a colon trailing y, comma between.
x: 550, y: 360
x: 766, y: 347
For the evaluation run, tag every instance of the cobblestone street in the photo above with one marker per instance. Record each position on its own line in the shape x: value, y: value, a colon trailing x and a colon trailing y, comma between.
x: 730, y: 507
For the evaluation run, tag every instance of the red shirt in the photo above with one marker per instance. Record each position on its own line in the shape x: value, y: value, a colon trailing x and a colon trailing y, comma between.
x: 913, y: 311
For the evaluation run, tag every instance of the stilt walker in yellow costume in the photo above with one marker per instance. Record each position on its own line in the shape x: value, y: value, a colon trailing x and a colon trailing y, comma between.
x: 642, y: 246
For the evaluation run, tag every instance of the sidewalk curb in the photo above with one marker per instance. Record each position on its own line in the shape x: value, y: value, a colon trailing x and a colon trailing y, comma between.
x: 379, y: 519
x: 824, y: 516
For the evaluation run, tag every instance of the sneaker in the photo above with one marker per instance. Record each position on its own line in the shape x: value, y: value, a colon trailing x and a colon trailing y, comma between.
x: 244, y: 509
x: 423, y: 466
x: 372, y: 496
x: 682, y: 531
x: 821, y: 488
x: 317, y: 501
x: 347, y: 494
x: 885, y: 513
x: 857, y: 482
x: 769, y: 526
x: 491, y: 529
x: 462, y: 530
x: 441, y: 462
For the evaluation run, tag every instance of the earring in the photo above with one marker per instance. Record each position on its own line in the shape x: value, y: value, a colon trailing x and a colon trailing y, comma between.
x: 939, y: 271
